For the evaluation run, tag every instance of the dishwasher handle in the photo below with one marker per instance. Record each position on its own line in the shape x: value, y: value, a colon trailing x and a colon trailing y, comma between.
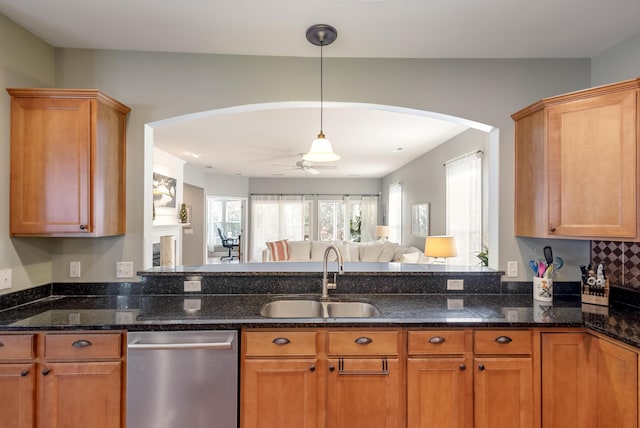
x: 168, y: 346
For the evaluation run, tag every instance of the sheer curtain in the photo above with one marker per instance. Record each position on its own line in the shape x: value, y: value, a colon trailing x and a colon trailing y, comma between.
x: 395, y: 213
x: 275, y: 217
x: 464, y: 206
x: 369, y: 218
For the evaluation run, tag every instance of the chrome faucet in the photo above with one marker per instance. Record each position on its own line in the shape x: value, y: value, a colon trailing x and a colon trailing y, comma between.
x: 326, y: 285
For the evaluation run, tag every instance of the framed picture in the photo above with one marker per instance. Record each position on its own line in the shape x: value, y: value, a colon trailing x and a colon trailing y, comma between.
x: 420, y: 219
x: 164, y: 191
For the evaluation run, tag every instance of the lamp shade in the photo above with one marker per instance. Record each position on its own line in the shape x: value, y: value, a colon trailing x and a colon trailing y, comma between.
x: 440, y: 246
x: 321, y: 151
x: 382, y: 231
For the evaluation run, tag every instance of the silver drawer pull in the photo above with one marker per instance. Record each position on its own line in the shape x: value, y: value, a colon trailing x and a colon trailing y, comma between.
x: 82, y: 343
x: 436, y: 340
x: 384, y: 369
x: 363, y: 340
x: 504, y: 339
x: 281, y: 341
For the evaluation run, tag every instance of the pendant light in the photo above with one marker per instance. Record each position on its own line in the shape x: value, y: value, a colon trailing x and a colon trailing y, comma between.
x: 321, y: 150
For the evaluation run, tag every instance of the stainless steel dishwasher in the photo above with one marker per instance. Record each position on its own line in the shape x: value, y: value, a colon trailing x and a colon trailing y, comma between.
x: 178, y: 379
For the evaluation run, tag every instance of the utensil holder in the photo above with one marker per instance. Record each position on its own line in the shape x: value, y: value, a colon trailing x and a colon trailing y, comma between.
x: 543, y: 289
x: 594, y: 295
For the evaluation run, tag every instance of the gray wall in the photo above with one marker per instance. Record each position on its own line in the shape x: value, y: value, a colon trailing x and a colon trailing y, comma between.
x: 621, y: 62
x: 161, y: 85
x: 193, y: 238
x: 423, y: 180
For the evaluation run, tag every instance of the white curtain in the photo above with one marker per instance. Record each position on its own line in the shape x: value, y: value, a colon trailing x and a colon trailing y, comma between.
x: 369, y: 218
x: 275, y: 217
x: 395, y: 213
x: 464, y: 207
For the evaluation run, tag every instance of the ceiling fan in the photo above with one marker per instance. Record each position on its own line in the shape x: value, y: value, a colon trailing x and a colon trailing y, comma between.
x: 310, y: 168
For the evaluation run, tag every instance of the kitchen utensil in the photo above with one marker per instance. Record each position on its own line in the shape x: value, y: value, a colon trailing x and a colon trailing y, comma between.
x: 558, y: 263
x: 541, y: 268
x: 548, y: 273
x: 548, y: 255
x: 534, y: 267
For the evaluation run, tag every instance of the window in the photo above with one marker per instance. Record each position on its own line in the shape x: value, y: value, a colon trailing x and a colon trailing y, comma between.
x: 331, y: 221
x: 226, y: 213
x: 275, y: 217
x: 464, y: 206
x: 395, y: 213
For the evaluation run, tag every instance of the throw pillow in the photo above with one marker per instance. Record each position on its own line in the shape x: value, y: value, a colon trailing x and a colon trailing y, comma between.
x: 410, y: 257
x: 299, y: 251
x: 279, y: 250
x: 371, y: 252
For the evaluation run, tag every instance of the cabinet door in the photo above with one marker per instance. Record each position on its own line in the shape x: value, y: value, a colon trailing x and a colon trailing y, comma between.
x: 439, y: 393
x: 565, y: 374
x: 503, y: 392
x: 50, y: 165
x: 364, y: 393
x: 17, y: 395
x: 615, y: 391
x: 80, y: 395
x: 279, y: 393
x: 592, y: 166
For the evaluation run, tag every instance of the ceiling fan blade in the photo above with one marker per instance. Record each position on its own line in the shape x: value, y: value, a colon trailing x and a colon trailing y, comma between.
x: 312, y: 171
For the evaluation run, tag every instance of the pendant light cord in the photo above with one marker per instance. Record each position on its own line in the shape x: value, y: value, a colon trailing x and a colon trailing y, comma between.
x: 321, y: 88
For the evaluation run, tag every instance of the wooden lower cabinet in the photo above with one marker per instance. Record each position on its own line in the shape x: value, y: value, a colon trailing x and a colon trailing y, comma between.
x: 280, y: 393
x: 322, y: 378
x: 365, y: 393
x: 61, y: 380
x: 17, y: 395
x: 81, y: 394
x: 439, y: 392
x: 503, y: 393
x: 588, y: 380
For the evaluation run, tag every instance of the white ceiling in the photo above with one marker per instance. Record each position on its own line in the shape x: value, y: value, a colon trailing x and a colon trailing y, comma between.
x: 366, y: 28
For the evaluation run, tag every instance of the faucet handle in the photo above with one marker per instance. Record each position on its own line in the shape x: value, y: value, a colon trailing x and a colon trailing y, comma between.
x: 332, y: 285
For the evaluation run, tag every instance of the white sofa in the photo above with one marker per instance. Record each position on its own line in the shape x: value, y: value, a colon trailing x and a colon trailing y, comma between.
x: 378, y: 251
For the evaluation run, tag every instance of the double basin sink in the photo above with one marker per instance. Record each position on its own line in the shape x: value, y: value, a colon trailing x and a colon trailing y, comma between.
x: 315, y: 308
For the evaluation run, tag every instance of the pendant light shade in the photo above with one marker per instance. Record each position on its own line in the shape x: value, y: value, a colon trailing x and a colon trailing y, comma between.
x: 321, y: 149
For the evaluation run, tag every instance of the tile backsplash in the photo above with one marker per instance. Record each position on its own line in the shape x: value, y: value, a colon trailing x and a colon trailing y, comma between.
x: 621, y: 261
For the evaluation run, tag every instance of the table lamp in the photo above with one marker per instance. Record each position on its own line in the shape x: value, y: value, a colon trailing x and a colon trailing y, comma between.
x: 382, y: 232
x: 440, y: 247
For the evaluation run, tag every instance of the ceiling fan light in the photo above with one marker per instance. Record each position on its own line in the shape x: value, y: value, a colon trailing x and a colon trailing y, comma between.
x: 321, y: 151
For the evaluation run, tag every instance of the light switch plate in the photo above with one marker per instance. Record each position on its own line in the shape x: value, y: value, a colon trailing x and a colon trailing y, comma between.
x: 124, y: 269
x: 5, y: 279
x: 512, y: 269
x: 74, y: 270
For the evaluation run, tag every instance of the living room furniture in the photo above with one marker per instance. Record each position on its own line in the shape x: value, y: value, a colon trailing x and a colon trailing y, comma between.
x: 376, y: 251
x: 229, y: 243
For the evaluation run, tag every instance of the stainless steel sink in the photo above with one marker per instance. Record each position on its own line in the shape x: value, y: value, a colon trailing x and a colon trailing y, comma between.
x: 290, y: 308
x: 351, y: 310
x: 309, y: 308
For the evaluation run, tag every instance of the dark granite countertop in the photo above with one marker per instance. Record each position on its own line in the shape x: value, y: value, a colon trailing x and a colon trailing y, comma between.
x: 218, y: 311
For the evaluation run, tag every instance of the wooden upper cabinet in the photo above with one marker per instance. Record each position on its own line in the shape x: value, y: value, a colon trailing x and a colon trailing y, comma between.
x: 576, y: 162
x: 67, y: 163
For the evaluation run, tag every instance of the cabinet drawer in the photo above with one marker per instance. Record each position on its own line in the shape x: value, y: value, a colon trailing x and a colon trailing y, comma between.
x: 437, y: 342
x: 364, y: 343
x: 81, y: 346
x: 280, y: 343
x: 17, y: 346
x: 503, y: 342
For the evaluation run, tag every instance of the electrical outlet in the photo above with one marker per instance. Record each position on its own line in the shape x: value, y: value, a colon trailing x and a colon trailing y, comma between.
x: 455, y: 284
x: 74, y: 269
x: 124, y: 269
x: 512, y: 269
x: 455, y: 304
x: 124, y: 317
x: 192, y: 305
x: 191, y: 286
x: 5, y: 279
